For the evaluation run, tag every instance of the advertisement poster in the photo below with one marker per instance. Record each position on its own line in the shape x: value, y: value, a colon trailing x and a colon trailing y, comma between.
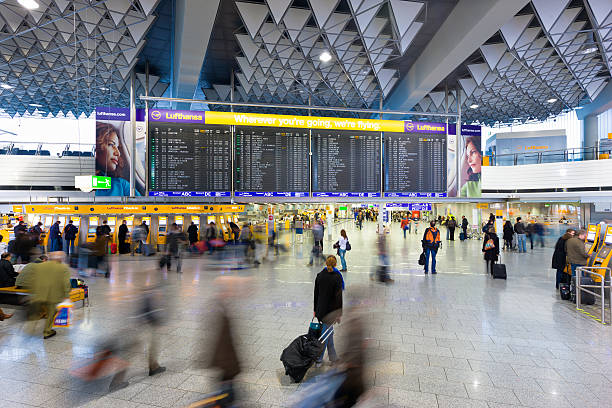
x: 451, y: 168
x: 114, y: 150
x: 470, y: 161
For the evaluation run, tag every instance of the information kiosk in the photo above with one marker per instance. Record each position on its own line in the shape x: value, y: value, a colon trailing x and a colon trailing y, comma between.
x: 45, y: 235
x: 91, y: 230
x: 196, y: 221
x: 162, y: 230
x: 591, y: 240
x: 76, y: 221
x: 129, y: 220
x: 112, y: 223
x: 602, y: 258
x: 179, y: 220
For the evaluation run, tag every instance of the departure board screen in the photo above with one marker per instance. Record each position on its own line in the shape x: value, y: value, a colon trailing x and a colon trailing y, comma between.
x: 415, y: 165
x: 345, y: 163
x: 190, y: 160
x: 272, y: 162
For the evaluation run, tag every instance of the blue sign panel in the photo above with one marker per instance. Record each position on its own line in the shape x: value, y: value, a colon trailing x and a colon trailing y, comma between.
x: 358, y: 195
x: 190, y: 194
x: 269, y: 194
x: 416, y: 195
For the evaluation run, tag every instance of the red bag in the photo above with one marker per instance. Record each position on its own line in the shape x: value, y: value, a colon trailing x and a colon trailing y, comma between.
x: 113, y: 248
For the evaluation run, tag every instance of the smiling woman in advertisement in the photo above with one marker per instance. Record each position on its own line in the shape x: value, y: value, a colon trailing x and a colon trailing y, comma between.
x: 112, y: 160
x: 472, y: 164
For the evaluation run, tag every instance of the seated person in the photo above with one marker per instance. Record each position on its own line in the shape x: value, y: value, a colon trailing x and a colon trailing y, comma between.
x: 7, y: 272
x: 23, y: 280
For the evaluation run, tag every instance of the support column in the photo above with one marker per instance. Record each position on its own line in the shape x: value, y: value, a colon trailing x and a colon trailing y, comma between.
x: 458, y: 144
x: 591, y: 131
x: 133, y: 128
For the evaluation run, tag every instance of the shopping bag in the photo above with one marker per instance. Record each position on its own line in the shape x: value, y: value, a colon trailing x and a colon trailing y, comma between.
x: 63, y: 315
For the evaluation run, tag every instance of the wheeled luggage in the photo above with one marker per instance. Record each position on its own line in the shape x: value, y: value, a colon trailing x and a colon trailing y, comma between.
x: 565, y: 291
x: 299, y: 356
x: 499, y: 271
x: 462, y: 236
x: 113, y: 248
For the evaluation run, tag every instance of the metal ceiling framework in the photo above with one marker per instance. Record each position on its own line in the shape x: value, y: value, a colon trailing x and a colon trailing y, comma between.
x: 67, y: 57
x: 281, y: 46
x: 548, y: 59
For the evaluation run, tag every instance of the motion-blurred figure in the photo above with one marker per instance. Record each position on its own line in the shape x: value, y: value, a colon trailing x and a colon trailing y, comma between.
x: 317, y: 245
x: 175, y: 240
x: 49, y: 285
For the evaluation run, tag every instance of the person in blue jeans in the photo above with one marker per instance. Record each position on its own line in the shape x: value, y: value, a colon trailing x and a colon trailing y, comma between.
x: 70, y: 233
x: 521, y: 235
x: 328, y: 303
x: 431, y: 244
x: 341, y: 245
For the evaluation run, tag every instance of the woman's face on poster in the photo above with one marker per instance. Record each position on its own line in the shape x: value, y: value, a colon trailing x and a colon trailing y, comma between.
x: 108, y: 154
x: 474, y: 158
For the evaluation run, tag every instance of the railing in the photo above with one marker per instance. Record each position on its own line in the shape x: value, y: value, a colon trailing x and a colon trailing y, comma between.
x: 604, y: 284
x: 549, y: 156
x: 46, y: 149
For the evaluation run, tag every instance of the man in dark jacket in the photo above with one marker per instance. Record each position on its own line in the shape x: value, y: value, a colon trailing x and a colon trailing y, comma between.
x: 576, y: 252
x: 451, y: 224
x: 7, y: 272
x: 464, y: 226
x: 124, y: 247
x: 21, y: 227
x: 521, y: 235
x: 70, y: 233
x: 192, y: 232
x: 431, y: 244
x: 559, y: 258
x: 55, y: 237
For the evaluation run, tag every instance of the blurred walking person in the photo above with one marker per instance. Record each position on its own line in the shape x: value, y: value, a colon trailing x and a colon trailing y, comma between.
x: 50, y: 285
x: 192, y: 232
x: 405, y: 225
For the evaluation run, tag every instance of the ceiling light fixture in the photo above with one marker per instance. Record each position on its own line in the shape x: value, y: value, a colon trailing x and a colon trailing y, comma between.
x: 325, y: 56
x: 474, y: 106
x: 29, y: 4
x: 589, y: 50
x: 552, y: 100
x: 104, y: 89
x: 36, y: 105
x: 5, y: 86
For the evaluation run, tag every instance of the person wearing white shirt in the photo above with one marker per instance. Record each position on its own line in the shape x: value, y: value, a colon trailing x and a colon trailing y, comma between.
x: 342, y: 243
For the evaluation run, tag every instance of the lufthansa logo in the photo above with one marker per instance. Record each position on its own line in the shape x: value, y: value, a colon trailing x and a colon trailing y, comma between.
x: 409, y: 126
x: 156, y: 115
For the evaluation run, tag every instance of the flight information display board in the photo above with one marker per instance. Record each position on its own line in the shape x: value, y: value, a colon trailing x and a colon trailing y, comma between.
x: 189, y: 159
x: 345, y: 163
x: 415, y: 165
x: 272, y: 162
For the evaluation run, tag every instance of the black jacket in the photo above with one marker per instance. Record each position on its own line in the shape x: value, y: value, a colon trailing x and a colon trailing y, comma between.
x: 519, y: 228
x: 508, y: 232
x: 559, y: 258
x: 490, y: 254
x: 123, y: 230
x: 193, y: 232
x: 7, y: 273
x: 327, y: 295
x: 70, y: 231
x: 464, y: 223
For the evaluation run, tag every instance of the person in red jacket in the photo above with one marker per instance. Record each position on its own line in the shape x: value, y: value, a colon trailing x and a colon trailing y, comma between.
x: 405, y: 225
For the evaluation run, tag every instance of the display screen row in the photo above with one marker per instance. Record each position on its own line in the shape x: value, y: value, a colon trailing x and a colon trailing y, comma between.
x: 196, y: 160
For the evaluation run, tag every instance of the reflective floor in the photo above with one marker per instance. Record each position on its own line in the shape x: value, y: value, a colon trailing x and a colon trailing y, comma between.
x: 457, y: 339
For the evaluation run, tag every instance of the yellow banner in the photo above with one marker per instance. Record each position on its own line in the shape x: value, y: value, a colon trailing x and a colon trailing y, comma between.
x: 134, y: 209
x: 482, y: 206
x: 304, y: 122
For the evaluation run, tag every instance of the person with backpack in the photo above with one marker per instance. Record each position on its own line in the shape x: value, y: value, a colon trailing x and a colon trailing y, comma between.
x: 451, y: 224
x: 328, y: 288
x: 431, y: 244
x: 490, y: 247
x: 70, y: 233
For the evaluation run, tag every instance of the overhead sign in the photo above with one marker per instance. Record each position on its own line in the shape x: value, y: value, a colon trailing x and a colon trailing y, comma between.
x: 134, y: 209
x: 89, y: 183
x: 292, y: 121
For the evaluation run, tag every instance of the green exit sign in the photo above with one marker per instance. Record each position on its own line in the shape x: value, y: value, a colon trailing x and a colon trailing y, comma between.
x: 100, y: 182
x: 342, y: 208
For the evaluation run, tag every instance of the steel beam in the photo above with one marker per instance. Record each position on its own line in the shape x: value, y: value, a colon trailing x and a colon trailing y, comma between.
x: 194, y: 21
x: 469, y: 25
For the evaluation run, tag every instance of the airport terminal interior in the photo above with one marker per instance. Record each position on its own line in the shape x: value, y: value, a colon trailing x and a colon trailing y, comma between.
x: 306, y: 203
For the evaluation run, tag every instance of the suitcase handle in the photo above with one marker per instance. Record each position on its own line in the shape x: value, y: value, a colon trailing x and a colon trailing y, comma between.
x: 328, y: 332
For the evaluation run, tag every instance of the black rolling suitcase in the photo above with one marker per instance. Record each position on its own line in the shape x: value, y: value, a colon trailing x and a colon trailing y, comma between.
x: 299, y: 356
x: 585, y: 297
x: 498, y: 270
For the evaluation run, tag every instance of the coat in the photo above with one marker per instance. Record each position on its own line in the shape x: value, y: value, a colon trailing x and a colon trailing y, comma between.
x: 559, y: 258
x: 327, y: 295
x: 576, y: 252
x: 508, y: 232
x: 193, y: 233
x: 123, y: 230
x: 7, y: 273
x: 493, y: 253
x: 50, y: 283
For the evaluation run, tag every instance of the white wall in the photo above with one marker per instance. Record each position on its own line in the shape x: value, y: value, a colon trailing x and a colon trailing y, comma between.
x: 604, y: 124
x: 568, y: 121
x: 593, y: 173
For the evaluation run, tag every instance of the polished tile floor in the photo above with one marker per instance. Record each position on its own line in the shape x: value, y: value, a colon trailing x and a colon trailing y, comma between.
x: 458, y: 339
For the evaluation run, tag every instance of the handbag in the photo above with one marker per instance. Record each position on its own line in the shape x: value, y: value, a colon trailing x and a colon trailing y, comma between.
x: 422, y: 259
x: 315, y: 329
x: 348, y: 246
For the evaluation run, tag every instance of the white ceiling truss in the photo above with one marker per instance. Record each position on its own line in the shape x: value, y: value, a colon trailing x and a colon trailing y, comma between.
x: 547, y: 54
x: 72, y: 55
x: 282, y: 44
